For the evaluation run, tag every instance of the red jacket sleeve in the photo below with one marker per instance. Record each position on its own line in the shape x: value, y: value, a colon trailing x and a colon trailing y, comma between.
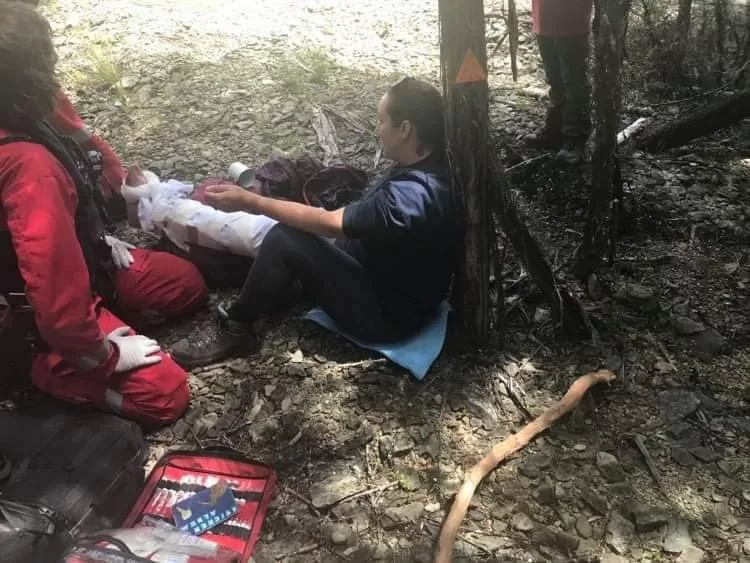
x: 66, y: 121
x: 39, y: 202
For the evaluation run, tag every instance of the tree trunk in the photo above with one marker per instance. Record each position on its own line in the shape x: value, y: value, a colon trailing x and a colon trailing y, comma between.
x: 609, y: 26
x: 684, y: 13
x: 463, y: 56
x: 720, y: 12
x: 702, y: 122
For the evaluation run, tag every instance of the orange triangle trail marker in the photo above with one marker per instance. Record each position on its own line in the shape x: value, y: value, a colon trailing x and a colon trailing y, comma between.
x: 471, y: 70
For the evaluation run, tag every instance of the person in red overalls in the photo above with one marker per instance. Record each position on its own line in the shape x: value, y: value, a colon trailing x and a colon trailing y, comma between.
x: 57, y: 261
x: 562, y: 30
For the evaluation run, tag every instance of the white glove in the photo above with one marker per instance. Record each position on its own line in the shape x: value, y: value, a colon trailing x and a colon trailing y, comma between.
x: 120, y: 252
x: 136, y: 351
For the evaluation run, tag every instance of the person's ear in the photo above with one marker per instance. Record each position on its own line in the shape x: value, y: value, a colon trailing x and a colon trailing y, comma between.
x: 405, y: 129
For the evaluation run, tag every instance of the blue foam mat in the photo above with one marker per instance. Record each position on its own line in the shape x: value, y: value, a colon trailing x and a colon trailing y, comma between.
x: 416, y: 354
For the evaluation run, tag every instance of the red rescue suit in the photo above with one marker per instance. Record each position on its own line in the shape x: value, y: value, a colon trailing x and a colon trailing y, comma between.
x: 561, y: 18
x: 39, y: 201
x: 66, y: 121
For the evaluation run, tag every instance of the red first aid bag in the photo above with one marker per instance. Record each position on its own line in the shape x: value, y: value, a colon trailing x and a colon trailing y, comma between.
x: 181, y: 474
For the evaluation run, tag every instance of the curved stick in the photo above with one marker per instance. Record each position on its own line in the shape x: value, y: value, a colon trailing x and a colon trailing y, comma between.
x: 504, y: 450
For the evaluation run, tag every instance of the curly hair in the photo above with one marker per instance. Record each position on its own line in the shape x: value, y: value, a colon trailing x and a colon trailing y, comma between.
x: 27, y: 66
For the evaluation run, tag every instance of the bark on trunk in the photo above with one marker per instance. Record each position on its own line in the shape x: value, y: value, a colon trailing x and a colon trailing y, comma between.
x: 598, y: 238
x: 463, y: 48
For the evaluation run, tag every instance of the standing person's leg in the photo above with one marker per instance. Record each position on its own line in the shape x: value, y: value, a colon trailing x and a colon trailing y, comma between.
x: 550, y: 135
x: 576, y: 118
x: 159, y: 284
x: 337, y: 283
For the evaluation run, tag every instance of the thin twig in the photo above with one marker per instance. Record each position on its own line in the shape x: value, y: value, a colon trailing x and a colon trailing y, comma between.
x: 301, y: 551
x: 369, y: 362
x: 298, y: 496
x: 528, y: 161
x: 365, y: 493
x: 197, y: 439
x: 640, y: 443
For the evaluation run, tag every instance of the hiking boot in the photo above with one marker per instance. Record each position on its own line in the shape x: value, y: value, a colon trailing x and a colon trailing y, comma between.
x: 571, y: 153
x: 231, y: 338
x: 544, y: 139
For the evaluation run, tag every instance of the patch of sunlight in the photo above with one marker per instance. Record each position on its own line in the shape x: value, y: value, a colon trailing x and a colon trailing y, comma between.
x: 103, y: 70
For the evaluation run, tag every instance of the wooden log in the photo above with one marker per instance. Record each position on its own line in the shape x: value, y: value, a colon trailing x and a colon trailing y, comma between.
x: 704, y: 121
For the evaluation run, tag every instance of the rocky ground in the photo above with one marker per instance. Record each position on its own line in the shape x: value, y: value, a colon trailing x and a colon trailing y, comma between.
x: 368, y: 459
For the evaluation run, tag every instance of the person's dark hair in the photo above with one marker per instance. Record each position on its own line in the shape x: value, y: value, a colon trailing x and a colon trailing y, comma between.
x: 421, y: 104
x: 27, y: 66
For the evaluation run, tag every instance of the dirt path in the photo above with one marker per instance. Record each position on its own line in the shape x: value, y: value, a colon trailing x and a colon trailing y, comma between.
x: 186, y: 87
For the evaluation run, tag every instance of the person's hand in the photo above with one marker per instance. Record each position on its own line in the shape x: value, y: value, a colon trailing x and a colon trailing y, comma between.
x: 136, y: 350
x: 229, y: 197
x: 121, y: 256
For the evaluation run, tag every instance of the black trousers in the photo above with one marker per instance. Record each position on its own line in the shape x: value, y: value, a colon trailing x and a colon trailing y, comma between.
x: 328, y: 275
x: 565, y: 62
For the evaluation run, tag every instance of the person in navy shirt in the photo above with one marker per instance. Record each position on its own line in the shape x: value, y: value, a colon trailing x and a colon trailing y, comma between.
x: 380, y: 266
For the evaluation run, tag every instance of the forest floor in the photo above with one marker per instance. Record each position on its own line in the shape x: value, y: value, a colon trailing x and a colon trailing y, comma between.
x: 185, y: 87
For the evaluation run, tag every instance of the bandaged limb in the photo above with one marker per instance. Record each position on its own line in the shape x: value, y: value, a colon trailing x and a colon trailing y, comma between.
x: 165, y: 207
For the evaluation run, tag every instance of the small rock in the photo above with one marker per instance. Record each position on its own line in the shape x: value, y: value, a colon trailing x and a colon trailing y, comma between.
x: 682, y: 456
x: 333, y: 489
x: 522, y: 522
x: 339, y: 533
x: 583, y: 527
x: 638, y: 296
x: 691, y: 555
x: 286, y: 404
x: 612, y: 558
x: 705, y: 454
x: 297, y: 357
x: 402, y: 444
x: 545, y: 493
x: 648, y: 519
x: 295, y: 370
x: 403, y: 514
x: 408, y: 479
x: 491, y: 544
x: 678, y: 537
x: 746, y: 546
x: 432, y: 507
x: 677, y: 404
x: 620, y: 530
x: 730, y: 468
x: 596, y: 501
x: 708, y: 344
x: 552, y: 536
x: 580, y: 447
x: 610, y: 468
x: 687, y: 326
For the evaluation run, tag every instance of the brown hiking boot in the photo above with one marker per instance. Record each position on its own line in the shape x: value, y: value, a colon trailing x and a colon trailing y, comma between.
x: 231, y: 339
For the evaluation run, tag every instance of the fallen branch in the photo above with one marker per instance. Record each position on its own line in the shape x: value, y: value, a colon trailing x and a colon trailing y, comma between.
x: 504, y: 450
x: 640, y: 443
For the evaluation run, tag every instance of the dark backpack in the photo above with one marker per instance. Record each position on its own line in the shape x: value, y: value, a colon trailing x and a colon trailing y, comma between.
x: 64, y: 471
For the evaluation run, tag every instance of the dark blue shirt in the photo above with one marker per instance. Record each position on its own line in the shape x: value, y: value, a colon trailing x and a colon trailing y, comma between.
x: 407, y: 233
